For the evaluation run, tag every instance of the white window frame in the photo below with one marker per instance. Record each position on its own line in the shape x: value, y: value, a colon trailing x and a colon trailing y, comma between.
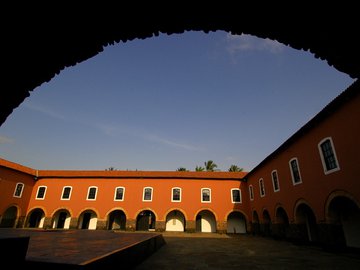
x: 37, y: 193
x: 151, y: 195
x: 251, y: 192
x: 172, y: 194
x: 326, y: 171
x: 261, y: 183
x: 292, y: 173
x: 123, y: 195
x: 62, y: 194
x: 273, y: 182
x: 232, y: 195
x: 22, y: 189
x: 209, y: 201
x: 88, y: 193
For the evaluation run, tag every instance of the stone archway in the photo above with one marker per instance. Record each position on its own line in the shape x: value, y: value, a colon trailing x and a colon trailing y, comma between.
x: 280, y: 229
x: 266, y: 226
x: 236, y: 223
x: 117, y: 220
x: 36, y: 219
x: 61, y: 219
x: 175, y: 221
x: 42, y: 54
x: 145, y: 221
x: 305, y: 218
x: 205, y: 221
x: 255, y: 223
x: 344, y: 218
x: 88, y: 220
x: 8, y: 219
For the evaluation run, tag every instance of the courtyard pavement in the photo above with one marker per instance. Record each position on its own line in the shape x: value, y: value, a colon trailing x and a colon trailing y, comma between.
x: 186, y: 251
x: 221, y: 251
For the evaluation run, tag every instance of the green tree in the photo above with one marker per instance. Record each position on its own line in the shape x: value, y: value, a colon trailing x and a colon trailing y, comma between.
x: 181, y: 169
x: 210, y: 166
x: 234, y: 168
x: 199, y: 169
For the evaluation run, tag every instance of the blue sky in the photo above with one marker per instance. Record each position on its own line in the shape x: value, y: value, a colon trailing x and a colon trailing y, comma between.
x: 169, y: 102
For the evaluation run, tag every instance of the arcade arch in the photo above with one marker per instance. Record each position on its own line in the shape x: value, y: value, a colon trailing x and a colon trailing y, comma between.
x: 175, y: 221
x: 343, y: 212
x: 236, y: 223
x: 205, y: 221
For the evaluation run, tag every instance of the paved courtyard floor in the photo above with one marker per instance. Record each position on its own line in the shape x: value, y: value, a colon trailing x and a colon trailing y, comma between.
x: 216, y: 251
x: 181, y: 251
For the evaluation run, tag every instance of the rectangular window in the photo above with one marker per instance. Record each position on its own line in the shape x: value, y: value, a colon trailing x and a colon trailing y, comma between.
x: 295, y: 171
x: 275, y: 181
x: 235, y: 195
x: 119, y: 194
x: 147, y: 196
x: 205, y: 195
x: 92, y: 193
x: 251, y: 192
x: 328, y: 156
x: 18, y: 190
x: 66, y: 193
x: 176, y: 195
x: 262, y: 187
x: 41, y: 193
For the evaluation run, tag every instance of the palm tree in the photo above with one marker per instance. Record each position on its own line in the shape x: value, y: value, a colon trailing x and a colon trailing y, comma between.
x: 234, y: 168
x: 199, y: 169
x: 210, y: 166
x: 181, y: 169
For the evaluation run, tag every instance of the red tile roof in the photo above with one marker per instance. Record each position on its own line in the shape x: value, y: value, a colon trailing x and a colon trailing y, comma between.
x: 218, y: 175
x: 17, y: 167
x: 142, y: 174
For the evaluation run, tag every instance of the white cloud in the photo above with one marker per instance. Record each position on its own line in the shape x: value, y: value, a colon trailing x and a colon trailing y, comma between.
x: 106, y: 129
x: 43, y: 110
x: 157, y: 139
x: 115, y: 130
x: 5, y: 140
x: 230, y: 158
x: 238, y: 43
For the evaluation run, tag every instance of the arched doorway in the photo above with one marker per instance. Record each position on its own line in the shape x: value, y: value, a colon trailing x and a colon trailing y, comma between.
x: 345, y: 213
x: 175, y: 221
x: 88, y: 220
x: 205, y: 221
x: 117, y: 220
x: 236, y: 223
x: 36, y: 218
x: 266, y: 223
x: 145, y: 221
x: 282, y: 222
x: 61, y: 219
x: 255, y: 223
x: 9, y: 217
x: 306, y: 219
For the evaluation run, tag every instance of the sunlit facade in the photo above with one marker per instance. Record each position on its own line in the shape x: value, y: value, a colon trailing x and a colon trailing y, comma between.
x: 306, y: 190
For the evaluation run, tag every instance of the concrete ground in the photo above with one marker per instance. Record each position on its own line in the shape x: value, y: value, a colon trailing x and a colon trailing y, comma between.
x: 216, y: 251
x: 181, y: 251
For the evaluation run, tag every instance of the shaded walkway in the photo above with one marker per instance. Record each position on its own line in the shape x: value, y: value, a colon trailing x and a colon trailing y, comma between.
x: 213, y: 251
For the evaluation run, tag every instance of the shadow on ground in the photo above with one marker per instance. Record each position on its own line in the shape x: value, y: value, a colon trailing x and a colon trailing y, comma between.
x: 205, y: 251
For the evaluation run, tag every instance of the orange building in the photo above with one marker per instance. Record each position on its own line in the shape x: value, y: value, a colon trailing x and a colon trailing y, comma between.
x: 131, y: 200
x: 306, y: 190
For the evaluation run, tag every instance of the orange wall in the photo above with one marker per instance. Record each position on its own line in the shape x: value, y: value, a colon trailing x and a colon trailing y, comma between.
x: 161, y: 204
x: 343, y: 126
x: 8, y: 180
x: 344, y: 129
